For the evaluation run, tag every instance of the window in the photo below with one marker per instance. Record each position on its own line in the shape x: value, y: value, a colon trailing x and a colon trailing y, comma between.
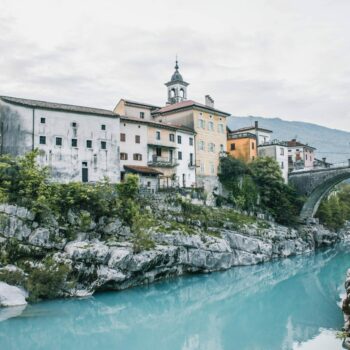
x: 191, y: 141
x: 211, y: 147
x: 179, y: 155
x: 253, y: 145
x: 122, y: 137
x: 282, y: 152
x: 172, y: 137
x: 42, y: 120
x: 42, y: 140
x: 103, y: 127
x: 202, y: 167
x: 221, y: 128
x: 305, y: 156
x: 211, y: 126
x: 201, y: 145
x: 74, y: 124
x: 137, y: 139
x: 142, y: 115
x: 191, y: 159
x: 123, y: 156
x: 212, y: 168
x: 158, y: 152
x: 232, y: 146
x: 137, y: 156
x: 222, y: 148
x: 179, y: 139
x: 157, y: 135
x: 88, y: 144
x: 282, y: 165
x: 74, y: 142
x: 103, y: 145
x: 202, y: 123
x: 58, y: 141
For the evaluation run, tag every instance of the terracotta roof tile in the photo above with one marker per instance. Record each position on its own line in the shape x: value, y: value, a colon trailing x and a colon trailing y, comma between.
x: 142, y: 169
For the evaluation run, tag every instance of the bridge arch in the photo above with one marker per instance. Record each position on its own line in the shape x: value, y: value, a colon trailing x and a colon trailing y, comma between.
x: 315, y: 185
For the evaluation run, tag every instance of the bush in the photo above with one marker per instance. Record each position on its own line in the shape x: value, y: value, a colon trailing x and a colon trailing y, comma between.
x: 47, y: 282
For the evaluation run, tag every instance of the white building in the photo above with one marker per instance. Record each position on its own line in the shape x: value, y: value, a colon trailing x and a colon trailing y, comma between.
x: 300, y: 156
x: 165, y: 147
x: 279, y: 152
x: 77, y: 143
x: 262, y: 135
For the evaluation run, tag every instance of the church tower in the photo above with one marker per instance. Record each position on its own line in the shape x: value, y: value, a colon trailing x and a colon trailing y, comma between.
x: 177, y: 87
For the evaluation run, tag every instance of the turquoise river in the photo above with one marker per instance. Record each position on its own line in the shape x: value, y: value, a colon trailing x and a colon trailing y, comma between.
x: 281, y: 305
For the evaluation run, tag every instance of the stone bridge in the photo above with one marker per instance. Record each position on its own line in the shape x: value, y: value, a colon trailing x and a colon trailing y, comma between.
x: 316, y: 184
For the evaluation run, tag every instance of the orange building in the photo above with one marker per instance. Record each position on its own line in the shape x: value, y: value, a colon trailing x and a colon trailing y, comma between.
x: 242, y: 146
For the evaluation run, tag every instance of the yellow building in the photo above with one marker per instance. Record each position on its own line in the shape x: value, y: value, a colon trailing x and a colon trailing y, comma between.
x: 242, y: 146
x: 208, y: 122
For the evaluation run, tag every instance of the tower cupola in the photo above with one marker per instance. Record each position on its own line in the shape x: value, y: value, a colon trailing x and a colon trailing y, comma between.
x: 177, y: 87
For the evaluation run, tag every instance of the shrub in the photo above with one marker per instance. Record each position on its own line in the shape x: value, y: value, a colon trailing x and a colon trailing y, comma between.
x: 46, y: 282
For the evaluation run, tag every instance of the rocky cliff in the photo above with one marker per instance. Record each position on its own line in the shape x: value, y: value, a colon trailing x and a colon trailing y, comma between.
x: 102, y: 256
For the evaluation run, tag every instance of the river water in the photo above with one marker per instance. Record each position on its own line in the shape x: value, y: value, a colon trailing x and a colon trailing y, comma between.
x: 281, y: 305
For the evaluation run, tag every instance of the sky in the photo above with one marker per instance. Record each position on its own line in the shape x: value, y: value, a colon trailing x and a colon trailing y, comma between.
x: 272, y: 58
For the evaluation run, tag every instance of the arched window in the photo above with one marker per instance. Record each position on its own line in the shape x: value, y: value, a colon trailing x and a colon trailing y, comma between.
x: 172, y: 93
x: 182, y: 93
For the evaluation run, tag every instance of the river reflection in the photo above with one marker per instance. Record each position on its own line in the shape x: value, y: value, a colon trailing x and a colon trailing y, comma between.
x: 286, y: 304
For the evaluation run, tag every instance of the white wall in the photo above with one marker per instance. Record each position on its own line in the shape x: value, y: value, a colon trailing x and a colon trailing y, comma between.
x: 280, y: 154
x: 66, y: 161
x: 130, y: 147
x: 183, y: 168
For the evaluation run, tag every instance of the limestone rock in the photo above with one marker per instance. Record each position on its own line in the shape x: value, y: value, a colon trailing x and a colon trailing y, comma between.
x: 11, y: 295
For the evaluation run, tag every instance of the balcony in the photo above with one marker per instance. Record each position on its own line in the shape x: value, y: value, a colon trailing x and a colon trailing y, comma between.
x: 162, y: 162
x: 193, y: 165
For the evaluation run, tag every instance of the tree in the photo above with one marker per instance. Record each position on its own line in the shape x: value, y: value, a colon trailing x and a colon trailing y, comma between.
x: 275, y: 196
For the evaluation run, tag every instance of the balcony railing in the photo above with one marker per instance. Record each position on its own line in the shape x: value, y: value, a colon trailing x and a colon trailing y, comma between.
x: 162, y: 162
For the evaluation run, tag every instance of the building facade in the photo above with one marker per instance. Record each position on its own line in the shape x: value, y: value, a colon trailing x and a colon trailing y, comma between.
x: 300, y: 156
x: 279, y: 152
x: 242, y: 145
x: 77, y: 143
x: 209, y: 125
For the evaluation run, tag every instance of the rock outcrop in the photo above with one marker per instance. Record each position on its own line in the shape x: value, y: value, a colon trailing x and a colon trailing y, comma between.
x: 346, y: 311
x: 11, y: 295
x: 103, y: 256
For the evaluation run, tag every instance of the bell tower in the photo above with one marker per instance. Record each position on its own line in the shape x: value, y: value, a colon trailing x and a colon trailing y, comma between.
x: 177, y: 87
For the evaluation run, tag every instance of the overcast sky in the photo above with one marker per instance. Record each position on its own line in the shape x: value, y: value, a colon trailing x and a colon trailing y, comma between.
x: 272, y: 58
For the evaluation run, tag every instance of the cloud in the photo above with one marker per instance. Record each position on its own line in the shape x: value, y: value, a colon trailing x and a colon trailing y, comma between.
x: 271, y: 58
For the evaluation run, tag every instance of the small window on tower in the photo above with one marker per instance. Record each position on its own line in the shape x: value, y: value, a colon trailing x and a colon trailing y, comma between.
x: 42, y: 120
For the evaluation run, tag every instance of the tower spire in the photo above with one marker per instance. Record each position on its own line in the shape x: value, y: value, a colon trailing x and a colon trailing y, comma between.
x: 177, y: 87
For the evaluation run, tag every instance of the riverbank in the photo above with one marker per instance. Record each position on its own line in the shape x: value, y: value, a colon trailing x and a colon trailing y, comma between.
x: 291, y: 303
x: 48, y: 263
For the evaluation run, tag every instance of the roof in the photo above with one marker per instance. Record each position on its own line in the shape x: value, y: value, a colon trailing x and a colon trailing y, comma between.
x: 295, y: 143
x: 242, y: 135
x: 141, y: 104
x: 247, y: 128
x: 166, y: 125
x: 142, y: 169
x: 57, y: 106
x: 187, y: 104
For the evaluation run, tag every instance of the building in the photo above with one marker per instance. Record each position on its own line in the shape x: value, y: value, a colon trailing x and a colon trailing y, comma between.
x: 77, y: 143
x: 208, y: 123
x: 300, y: 156
x: 262, y: 135
x: 150, y: 144
x: 278, y: 151
x: 322, y: 164
x: 242, y: 145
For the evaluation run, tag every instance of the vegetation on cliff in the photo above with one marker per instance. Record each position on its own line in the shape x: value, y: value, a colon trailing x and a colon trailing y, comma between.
x: 259, y: 185
x: 334, y: 210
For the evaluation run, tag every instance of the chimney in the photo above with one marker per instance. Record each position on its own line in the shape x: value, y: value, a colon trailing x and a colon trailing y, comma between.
x: 209, y: 102
x: 256, y: 125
